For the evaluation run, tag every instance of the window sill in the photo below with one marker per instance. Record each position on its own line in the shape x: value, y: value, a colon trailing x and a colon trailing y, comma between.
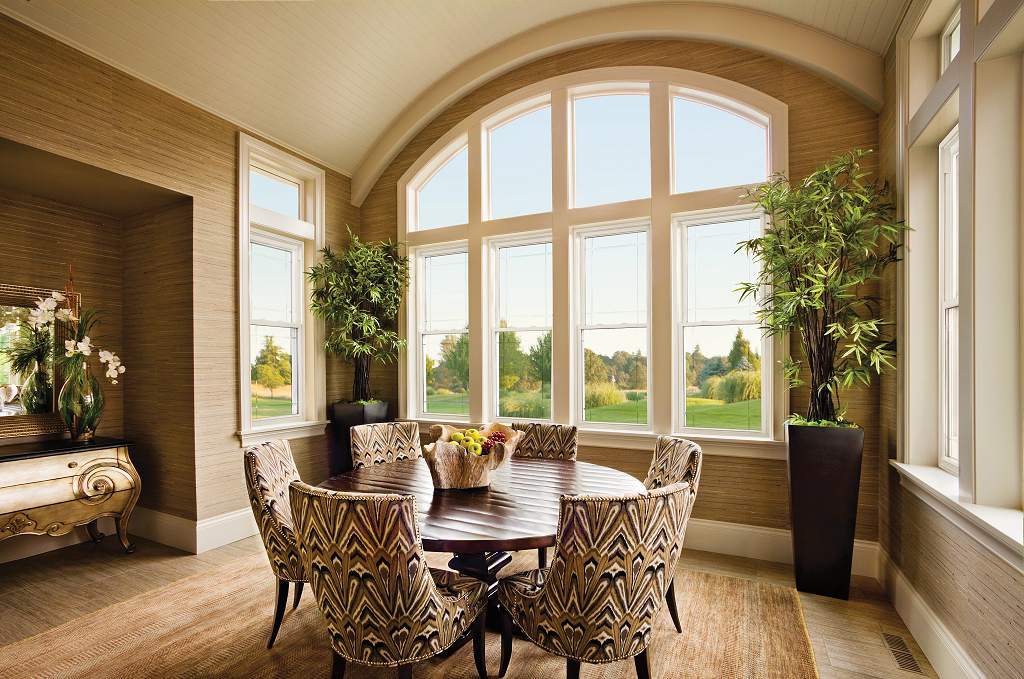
x: 998, y: 529
x: 291, y: 430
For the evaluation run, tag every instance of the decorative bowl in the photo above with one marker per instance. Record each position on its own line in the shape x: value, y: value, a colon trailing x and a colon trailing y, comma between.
x: 453, y: 467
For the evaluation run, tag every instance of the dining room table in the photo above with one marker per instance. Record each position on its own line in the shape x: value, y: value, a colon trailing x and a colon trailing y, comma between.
x: 517, y: 511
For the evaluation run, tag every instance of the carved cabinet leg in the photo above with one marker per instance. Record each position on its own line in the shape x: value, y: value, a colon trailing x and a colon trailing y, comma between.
x: 122, y: 533
x: 94, y: 530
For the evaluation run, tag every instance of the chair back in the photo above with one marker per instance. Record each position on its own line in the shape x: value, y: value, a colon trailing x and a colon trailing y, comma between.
x: 614, y: 559
x: 370, y: 578
x: 385, y: 442
x: 676, y: 460
x: 269, y: 468
x: 547, y: 441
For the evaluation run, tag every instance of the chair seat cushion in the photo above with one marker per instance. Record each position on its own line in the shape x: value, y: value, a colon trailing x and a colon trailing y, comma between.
x: 451, y: 584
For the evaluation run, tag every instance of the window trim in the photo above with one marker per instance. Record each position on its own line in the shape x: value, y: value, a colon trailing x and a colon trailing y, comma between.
x: 265, y: 224
x: 948, y: 228
x: 680, y: 223
x: 579, y: 325
x: 423, y: 177
x: 563, y: 219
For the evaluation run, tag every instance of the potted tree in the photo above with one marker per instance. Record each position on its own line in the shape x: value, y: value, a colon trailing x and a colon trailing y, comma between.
x: 827, y: 237
x: 358, y: 292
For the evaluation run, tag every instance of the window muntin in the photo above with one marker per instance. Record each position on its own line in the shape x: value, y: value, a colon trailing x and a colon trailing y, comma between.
x: 443, y: 198
x: 522, y: 330
x: 614, y: 341
x: 723, y: 359
x: 713, y: 147
x: 273, y: 192
x: 611, y: 148
x: 519, y: 167
x: 949, y: 301
x: 443, y: 333
x: 276, y: 325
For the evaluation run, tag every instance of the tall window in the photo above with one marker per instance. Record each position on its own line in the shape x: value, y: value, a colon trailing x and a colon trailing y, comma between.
x: 522, y: 330
x: 949, y: 302
x: 443, y: 333
x: 613, y: 370
x: 586, y: 272
x: 281, y: 231
x: 723, y: 359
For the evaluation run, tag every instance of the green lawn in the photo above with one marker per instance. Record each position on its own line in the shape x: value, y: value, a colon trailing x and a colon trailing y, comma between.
x: 701, y: 413
x: 278, y: 406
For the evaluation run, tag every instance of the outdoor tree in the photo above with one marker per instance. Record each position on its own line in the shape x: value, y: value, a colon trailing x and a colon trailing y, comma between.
x: 275, y: 357
x: 269, y: 377
x: 540, y: 359
x: 455, y: 360
x: 594, y: 369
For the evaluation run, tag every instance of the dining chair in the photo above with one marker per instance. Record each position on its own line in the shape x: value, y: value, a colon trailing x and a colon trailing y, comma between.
x: 549, y: 442
x: 269, y: 468
x: 613, y: 560
x: 385, y: 442
x: 382, y: 604
x: 676, y: 460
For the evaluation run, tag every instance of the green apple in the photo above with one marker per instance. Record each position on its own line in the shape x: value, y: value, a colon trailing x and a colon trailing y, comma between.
x: 457, y: 437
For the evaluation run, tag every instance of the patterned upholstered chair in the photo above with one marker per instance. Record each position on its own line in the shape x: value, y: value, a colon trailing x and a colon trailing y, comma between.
x: 550, y: 442
x: 269, y: 468
x: 613, y: 561
x: 675, y: 460
x: 383, y: 605
x: 385, y: 442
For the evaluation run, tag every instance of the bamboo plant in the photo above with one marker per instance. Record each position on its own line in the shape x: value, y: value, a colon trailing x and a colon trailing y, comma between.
x: 826, y: 238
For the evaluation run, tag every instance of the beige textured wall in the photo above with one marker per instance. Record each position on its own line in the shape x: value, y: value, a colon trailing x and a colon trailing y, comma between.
x: 823, y: 120
x: 56, y: 98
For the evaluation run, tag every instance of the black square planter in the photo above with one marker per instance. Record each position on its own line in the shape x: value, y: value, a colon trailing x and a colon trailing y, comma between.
x: 344, y: 416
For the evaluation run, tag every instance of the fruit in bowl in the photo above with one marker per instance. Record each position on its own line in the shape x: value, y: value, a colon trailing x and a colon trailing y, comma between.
x: 463, y: 458
x: 475, y: 442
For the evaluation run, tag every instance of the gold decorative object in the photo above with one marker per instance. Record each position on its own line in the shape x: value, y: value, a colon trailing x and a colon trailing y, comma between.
x: 453, y: 467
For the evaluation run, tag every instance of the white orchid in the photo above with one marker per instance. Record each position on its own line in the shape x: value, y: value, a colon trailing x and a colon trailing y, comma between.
x: 84, y: 347
x: 64, y: 314
x: 59, y: 296
x: 114, y: 367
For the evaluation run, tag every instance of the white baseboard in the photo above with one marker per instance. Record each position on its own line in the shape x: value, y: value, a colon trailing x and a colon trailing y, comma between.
x: 944, y: 652
x: 24, y: 546
x: 767, y: 544
x: 224, y: 529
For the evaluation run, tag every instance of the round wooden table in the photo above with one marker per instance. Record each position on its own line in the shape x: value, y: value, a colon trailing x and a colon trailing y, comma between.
x: 518, y: 511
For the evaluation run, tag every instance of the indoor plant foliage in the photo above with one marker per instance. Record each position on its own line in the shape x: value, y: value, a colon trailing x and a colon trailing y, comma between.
x: 358, y: 293
x: 826, y: 237
x: 30, y: 353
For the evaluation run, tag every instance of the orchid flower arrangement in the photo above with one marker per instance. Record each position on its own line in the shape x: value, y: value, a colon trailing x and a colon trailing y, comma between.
x: 80, y: 344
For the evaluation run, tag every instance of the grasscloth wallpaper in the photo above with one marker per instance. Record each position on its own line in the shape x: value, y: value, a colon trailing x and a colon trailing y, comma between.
x: 56, y: 98
x: 823, y: 120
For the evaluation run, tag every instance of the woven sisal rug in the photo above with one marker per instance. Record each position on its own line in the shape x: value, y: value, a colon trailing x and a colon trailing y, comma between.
x: 216, y: 625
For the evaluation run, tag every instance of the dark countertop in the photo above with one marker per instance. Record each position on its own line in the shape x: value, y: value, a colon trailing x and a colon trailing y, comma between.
x: 22, y: 451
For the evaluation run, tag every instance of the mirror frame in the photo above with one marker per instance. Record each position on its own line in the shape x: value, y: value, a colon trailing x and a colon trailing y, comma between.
x: 37, y: 424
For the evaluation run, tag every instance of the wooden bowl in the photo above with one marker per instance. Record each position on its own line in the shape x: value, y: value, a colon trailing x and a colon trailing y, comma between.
x: 452, y: 467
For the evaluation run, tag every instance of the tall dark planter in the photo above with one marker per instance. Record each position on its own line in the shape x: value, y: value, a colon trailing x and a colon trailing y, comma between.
x: 824, y: 480
x: 343, y: 417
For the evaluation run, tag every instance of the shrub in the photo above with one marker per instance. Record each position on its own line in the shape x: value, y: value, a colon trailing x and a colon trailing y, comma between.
x: 636, y: 395
x: 525, y: 405
x: 441, y: 391
x: 431, y: 391
x: 603, y: 394
x: 736, y: 385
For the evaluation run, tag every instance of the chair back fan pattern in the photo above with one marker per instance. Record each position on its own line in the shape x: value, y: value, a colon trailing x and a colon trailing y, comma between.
x: 614, y: 560
x: 370, y: 578
x: 676, y: 460
x: 386, y: 442
x: 547, y: 441
x: 269, y: 468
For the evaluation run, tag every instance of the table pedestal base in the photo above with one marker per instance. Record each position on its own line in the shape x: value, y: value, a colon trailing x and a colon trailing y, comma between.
x: 484, y: 566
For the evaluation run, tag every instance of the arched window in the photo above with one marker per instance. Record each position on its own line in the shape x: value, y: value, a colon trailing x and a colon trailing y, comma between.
x: 577, y: 242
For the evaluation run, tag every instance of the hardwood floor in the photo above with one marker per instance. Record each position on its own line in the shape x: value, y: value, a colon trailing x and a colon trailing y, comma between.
x: 44, y: 591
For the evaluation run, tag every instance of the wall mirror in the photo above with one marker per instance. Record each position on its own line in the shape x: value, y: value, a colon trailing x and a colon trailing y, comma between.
x: 30, y: 377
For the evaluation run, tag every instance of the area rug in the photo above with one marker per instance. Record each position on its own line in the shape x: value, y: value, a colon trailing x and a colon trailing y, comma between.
x: 215, y: 625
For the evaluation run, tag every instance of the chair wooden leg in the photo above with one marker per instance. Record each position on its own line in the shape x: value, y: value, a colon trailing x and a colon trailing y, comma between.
x: 506, y: 642
x: 405, y: 672
x: 479, y: 647
x: 282, y: 601
x: 542, y: 557
x: 298, y: 595
x: 572, y: 669
x: 643, y: 665
x: 673, y: 610
x: 337, y: 667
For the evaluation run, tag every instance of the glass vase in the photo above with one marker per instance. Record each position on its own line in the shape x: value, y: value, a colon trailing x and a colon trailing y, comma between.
x: 81, y: 403
x: 37, y: 392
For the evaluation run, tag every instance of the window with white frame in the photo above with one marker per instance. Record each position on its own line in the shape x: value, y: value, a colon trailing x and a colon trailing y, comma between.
x: 442, y: 330
x: 724, y: 357
x: 554, y: 277
x: 949, y: 300
x: 281, y: 229
x: 522, y: 328
x: 951, y: 39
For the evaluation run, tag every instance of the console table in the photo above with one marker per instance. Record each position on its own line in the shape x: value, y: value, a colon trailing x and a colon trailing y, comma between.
x: 48, y: 488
